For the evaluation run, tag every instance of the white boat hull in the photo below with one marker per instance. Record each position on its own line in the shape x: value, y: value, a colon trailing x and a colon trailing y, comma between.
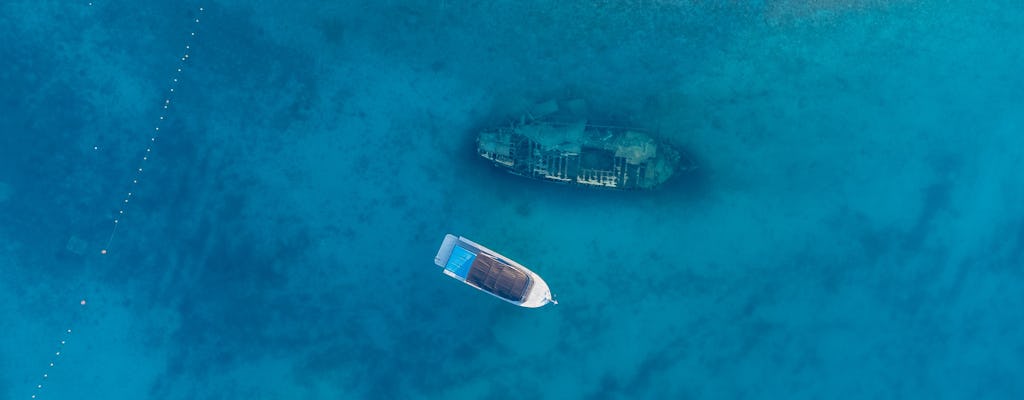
x: 461, y: 258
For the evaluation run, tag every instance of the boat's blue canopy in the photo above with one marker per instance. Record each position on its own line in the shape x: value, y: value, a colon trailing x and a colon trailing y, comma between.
x: 460, y: 261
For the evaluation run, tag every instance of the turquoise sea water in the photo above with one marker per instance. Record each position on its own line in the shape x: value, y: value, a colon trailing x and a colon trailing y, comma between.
x: 855, y: 229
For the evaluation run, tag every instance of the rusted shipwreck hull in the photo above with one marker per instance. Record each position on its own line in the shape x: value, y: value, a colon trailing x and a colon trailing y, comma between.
x: 578, y: 153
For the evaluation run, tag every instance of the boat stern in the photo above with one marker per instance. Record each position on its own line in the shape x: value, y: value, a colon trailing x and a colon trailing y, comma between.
x: 445, y: 251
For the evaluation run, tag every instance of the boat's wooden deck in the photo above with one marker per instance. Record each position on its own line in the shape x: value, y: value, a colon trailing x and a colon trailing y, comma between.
x: 495, y: 277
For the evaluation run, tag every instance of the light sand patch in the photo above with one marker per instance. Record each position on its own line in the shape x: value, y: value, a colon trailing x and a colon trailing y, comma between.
x: 5, y: 192
x: 77, y: 245
x: 818, y: 11
x: 984, y: 201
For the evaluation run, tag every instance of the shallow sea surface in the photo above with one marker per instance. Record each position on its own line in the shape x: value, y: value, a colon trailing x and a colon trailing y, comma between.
x: 855, y: 228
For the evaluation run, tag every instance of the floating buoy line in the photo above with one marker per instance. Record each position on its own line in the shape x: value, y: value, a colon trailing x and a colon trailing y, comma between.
x: 137, y: 174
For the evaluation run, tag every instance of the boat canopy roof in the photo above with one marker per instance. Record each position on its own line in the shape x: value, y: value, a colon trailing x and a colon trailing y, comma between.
x: 499, y: 278
x: 460, y: 261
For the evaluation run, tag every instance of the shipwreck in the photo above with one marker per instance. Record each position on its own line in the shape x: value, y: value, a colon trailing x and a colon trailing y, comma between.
x: 551, y: 143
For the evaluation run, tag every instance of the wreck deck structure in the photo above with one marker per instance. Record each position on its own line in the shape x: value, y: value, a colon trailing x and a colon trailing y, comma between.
x: 583, y: 154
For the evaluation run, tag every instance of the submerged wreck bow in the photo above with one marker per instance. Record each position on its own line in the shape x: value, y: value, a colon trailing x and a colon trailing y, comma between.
x: 580, y: 153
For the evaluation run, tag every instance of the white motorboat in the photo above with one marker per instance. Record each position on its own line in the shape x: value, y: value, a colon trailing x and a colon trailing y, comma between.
x: 485, y: 269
